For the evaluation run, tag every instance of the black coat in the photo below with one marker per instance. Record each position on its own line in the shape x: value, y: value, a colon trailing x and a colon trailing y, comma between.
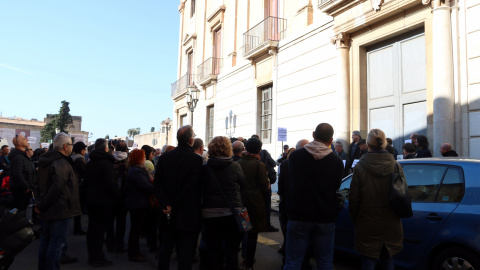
x: 267, y: 159
x: 450, y: 153
x: 4, y: 165
x: 58, y: 187
x: 21, y: 170
x: 283, y: 183
x: 313, y: 185
x: 423, y: 153
x: 100, y: 182
x: 409, y: 156
x: 229, y: 176
x: 139, y: 188
x: 177, y: 185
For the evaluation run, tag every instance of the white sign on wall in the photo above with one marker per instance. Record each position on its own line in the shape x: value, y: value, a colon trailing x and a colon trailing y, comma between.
x: 32, y: 140
x: 282, y: 134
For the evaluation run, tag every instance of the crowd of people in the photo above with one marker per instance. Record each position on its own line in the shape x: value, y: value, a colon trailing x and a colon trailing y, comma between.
x: 176, y: 196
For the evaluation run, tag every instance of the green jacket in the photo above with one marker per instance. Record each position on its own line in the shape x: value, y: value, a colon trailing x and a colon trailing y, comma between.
x: 375, y: 223
x: 256, y: 191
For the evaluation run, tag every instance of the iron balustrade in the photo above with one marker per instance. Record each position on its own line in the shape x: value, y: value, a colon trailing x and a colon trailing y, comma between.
x: 270, y: 29
x: 182, y: 84
x: 212, y: 66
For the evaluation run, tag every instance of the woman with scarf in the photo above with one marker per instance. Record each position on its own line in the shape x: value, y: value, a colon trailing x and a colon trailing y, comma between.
x: 222, y: 180
x: 257, y: 188
x: 139, y: 189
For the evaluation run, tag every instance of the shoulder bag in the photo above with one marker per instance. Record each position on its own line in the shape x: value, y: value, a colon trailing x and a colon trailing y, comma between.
x: 241, y: 217
x: 399, y: 197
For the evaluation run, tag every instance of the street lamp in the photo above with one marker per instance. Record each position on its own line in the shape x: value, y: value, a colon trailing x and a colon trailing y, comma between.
x: 192, y: 97
x: 167, y: 128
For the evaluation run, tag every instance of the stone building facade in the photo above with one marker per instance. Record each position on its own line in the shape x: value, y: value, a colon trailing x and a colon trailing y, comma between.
x: 403, y: 66
x: 156, y: 139
x: 10, y: 126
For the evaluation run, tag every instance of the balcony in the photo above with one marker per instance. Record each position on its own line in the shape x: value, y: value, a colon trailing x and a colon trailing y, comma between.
x: 208, y: 70
x: 180, y: 87
x: 263, y: 36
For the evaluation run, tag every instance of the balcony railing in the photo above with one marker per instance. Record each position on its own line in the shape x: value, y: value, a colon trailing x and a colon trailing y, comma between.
x: 321, y: 2
x: 270, y: 29
x: 210, y: 67
x: 182, y: 84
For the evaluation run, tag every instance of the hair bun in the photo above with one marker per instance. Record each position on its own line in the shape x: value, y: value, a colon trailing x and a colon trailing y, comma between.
x: 379, y: 141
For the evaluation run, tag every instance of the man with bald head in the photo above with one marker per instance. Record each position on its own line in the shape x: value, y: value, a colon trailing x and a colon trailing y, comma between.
x: 447, y: 151
x: 238, y: 148
x: 21, y: 173
x: 177, y: 187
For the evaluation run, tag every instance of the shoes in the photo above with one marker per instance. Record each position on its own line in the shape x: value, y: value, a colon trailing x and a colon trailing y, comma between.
x: 272, y: 229
x: 138, y: 258
x: 100, y: 263
x: 79, y: 232
x: 65, y: 260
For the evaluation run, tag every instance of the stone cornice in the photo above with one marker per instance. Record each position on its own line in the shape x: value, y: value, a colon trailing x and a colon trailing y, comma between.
x: 437, y: 3
x: 181, y: 7
x: 188, y: 38
x: 219, y: 10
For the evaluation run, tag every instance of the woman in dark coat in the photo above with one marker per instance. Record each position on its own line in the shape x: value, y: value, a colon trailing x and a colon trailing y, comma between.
x: 378, y: 230
x: 256, y: 192
x: 422, y: 143
x: 220, y: 227
x: 139, y: 189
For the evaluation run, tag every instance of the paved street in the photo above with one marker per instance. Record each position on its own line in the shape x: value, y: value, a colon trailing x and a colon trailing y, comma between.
x: 267, y: 256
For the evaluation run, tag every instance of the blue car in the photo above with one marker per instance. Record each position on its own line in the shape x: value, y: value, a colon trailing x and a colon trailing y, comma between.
x: 444, y: 232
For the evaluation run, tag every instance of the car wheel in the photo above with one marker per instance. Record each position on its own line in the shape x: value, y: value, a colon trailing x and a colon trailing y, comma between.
x: 456, y: 258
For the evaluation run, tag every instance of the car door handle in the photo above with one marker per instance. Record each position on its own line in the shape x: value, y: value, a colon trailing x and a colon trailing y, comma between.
x: 434, y: 217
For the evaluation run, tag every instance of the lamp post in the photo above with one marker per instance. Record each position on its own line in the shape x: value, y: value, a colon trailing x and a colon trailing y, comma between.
x: 192, y: 99
x: 167, y: 128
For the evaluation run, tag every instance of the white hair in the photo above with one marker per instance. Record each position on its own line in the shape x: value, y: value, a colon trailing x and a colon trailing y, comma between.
x: 61, y: 139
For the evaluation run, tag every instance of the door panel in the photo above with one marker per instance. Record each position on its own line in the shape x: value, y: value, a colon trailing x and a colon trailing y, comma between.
x: 382, y: 118
x: 380, y: 73
x: 414, y: 69
x: 414, y: 119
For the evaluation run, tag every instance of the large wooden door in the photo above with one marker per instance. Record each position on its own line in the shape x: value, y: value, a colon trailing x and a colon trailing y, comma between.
x: 396, y: 83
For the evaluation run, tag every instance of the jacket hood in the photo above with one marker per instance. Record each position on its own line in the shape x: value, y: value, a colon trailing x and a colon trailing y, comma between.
x: 317, y: 149
x: 49, y: 157
x: 100, y: 155
x: 16, y: 152
x: 119, y: 155
x: 218, y: 163
x: 379, y: 164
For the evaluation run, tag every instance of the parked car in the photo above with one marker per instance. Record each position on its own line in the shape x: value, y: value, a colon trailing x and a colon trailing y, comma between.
x: 444, y: 232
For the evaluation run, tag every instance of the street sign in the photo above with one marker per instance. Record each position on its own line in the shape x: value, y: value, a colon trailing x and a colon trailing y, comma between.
x: 282, y: 134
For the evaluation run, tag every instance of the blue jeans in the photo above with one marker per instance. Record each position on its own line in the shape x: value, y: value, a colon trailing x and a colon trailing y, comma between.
x: 386, y: 262
x: 299, y: 234
x: 52, y: 241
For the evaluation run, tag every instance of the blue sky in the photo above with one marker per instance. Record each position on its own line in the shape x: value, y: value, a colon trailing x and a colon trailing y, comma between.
x: 113, y: 60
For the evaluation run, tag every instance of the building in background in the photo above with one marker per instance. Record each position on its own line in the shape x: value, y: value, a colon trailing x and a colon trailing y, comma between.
x: 404, y: 66
x: 10, y: 126
x: 156, y: 139
x: 74, y: 129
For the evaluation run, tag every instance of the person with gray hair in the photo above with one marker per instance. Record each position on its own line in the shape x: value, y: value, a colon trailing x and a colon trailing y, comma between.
x: 447, y: 151
x: 102, y: 195
x: 58, y: 200
x: 339, y: 150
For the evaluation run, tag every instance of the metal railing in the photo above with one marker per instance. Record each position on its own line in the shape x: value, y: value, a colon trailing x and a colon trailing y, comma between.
x: 182, y: 83
x: 212, y: 66
x: 271, y: 28
x: 320, y: 2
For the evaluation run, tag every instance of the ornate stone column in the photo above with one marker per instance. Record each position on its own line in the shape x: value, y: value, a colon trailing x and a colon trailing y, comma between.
x: 443, y: 82
x: 342, y: 131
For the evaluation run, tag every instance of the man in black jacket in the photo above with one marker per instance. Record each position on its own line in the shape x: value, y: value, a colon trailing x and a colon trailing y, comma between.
x: 177, y: 188
x: 21, y: 173
x: 58, y: 200
x: 316, y: 174
x: 102, y: 194
x: 4, y: 162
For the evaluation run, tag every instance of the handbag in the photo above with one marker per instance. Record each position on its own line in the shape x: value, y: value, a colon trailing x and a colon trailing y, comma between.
x: 242, y: 219
x: 399, y: 197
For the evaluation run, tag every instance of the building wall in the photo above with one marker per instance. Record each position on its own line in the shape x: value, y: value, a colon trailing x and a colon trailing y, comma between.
x: 9, y: 127
x: 305, y: 67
